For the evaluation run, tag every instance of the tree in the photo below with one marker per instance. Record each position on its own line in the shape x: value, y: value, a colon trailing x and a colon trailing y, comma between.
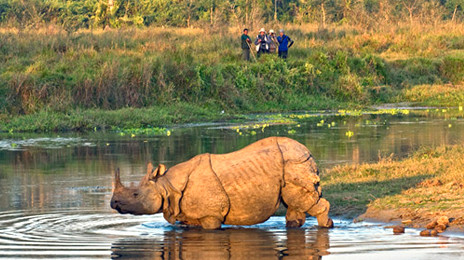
x: 411, y: 6
x: 454, y: 5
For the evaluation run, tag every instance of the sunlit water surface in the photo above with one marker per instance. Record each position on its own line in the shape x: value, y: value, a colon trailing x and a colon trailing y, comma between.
x: 55, y: 192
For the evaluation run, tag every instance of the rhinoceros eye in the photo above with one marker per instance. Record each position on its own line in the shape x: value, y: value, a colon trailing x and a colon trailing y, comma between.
x: 135, y: 194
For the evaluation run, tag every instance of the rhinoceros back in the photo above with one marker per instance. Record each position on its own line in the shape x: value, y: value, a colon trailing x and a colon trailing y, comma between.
x: 252, y: 178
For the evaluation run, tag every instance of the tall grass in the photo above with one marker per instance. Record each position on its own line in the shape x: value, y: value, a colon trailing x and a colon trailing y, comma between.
x: 50, y: 69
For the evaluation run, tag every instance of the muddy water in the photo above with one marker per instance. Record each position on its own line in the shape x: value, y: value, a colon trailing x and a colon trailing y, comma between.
x: 55, y: 191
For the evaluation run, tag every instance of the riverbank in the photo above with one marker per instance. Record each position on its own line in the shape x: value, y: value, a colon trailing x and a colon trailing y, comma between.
x: 147, y: 120
x: 84, y: 120
x: 414, y: 191
x: 53, y: 80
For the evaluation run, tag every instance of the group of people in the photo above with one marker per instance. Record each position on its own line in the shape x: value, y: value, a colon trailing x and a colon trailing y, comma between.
x: 266, y: 43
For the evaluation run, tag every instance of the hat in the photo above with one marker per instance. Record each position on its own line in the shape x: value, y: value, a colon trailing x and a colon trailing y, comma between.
x: 281, y: 30
x: 262, y: 30
x: 271, y: 31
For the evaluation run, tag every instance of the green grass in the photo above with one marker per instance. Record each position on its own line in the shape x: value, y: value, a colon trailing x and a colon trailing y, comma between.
x: 99, y: 119
x: 52, y: 80
x: 436, y: 95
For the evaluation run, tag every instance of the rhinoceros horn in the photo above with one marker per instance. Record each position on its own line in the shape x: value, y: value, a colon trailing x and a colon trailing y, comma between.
x: 117, y: 179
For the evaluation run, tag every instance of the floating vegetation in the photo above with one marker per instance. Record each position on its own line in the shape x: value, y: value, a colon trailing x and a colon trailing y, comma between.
x: 277, y: 119
x: 248, y: 127
x: 266, y: 121
x: 146, y: 131
x: 291, y: 131
x: 303, y: 116
x: 389, y: 111
x: 43, y: 142
x: 251, y: 128
x: 349, y: 134
x: 330, y: 119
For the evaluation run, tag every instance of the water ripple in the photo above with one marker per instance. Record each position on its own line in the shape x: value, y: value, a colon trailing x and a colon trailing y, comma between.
x: 88, y: 234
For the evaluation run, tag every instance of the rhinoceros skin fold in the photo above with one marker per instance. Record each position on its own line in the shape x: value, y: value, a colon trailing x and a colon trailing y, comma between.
x: 244, y: 187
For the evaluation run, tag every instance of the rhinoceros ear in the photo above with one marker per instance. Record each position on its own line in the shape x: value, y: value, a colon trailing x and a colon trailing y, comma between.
x: 149, y: 168
x: 154, y: 173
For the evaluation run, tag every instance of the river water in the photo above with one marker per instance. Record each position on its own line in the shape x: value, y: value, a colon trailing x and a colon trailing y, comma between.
x: 55, y: 191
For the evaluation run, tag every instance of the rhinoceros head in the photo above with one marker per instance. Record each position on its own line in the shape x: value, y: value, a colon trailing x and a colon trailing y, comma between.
x: 141, y: 199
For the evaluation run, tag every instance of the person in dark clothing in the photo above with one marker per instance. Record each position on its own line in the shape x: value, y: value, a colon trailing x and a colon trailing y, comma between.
x: 273, y: 44
x: 246, y: 41
x: 263, y: 41
x: 284, y: 44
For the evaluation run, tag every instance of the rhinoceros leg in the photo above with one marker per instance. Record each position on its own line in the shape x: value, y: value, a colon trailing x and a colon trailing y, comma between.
x: 321, y: 212
x: 210, y: 223
x: 295, y: 218
x: 300, y: 200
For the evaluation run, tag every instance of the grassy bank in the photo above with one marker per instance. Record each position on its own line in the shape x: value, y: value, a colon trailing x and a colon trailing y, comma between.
x: 99, y: 119
x: 76, y: 119
x: 419, y: 188
x: 53, y: 80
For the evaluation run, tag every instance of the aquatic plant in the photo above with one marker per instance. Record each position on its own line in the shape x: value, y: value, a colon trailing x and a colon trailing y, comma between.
x: 291, y: 131
x: 349, y: 134
x: 146, y: 131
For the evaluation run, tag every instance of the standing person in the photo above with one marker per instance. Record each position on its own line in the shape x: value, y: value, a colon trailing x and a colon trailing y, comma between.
x: 262, y: 42
x: 284, y: 43
x: 274, y: 43
x: 246, y: 41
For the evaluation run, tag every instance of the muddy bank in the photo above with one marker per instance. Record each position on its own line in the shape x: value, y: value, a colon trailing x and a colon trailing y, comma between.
x: 419, y: 219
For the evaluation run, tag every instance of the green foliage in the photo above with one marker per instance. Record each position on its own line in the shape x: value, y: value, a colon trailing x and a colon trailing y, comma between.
x: 74, y: 14
x: 452, y: 68
x: 415, y: 71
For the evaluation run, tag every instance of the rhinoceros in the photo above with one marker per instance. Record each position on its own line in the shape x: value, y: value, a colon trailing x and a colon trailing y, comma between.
x: 244, y: 187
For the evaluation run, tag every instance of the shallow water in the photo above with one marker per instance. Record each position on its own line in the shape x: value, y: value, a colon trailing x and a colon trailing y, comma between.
x: 91, y: 234
x: 55, y: 192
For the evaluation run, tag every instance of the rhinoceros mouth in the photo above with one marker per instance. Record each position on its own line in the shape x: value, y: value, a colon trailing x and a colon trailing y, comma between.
x: 121, y: 211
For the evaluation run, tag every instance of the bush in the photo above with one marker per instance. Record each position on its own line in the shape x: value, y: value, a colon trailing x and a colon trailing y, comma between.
x: 452, y: 69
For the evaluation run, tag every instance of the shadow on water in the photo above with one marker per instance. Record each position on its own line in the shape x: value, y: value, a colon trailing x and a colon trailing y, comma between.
x: 351, y: 199
x: 226, y: 244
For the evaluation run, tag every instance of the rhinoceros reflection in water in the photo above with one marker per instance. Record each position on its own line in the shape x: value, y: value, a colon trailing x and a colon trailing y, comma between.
x: 227, y: 244
x: 239, y: 188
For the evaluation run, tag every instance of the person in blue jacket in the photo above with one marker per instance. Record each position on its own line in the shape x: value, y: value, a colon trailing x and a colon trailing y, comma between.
x: 284, y: 43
